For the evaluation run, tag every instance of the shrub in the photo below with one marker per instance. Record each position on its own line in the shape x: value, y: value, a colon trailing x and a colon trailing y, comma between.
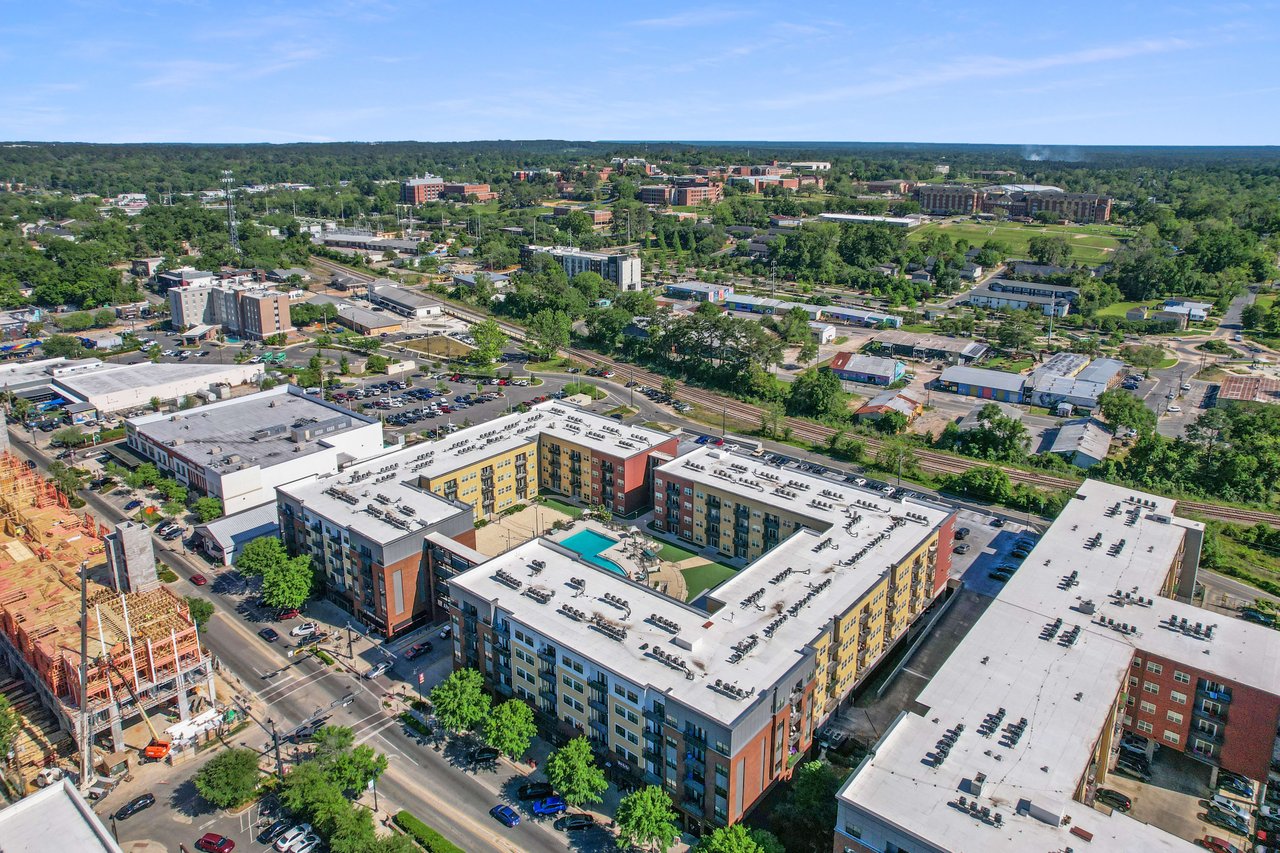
x: 414, y: 723
x: 431, y: 841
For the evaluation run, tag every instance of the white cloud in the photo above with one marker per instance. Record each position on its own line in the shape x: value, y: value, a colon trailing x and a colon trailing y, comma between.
x: 693, y: 18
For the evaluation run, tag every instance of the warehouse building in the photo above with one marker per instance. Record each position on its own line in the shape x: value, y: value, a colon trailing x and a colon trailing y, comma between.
x: 929, y: 347
x: 715, y: 704
x: 987, y: 384
x: 239, y: 450
x: 699, y: 291
x: 406, y: 303
x: 1084, y: 442
x: 868, y: 369
x: 124, y: 387
x: 1093, y: 636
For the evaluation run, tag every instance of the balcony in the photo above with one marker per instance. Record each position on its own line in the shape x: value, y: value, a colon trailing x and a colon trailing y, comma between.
x: 652, y: 755
x: 599, y: 705
x: 548, y: 653
x: 693, y: 736
x: 1219, y: 717
x: 600, y: 727
x: 655, y: 715
x: 1203, y: 690
x: 548, y: 693
x: 1206, y: 736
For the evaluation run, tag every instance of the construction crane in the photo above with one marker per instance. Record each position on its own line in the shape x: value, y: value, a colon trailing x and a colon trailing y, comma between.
x: 158, y: 749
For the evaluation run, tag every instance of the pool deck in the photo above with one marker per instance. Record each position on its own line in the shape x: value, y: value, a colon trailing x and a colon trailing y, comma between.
x: 628, y: 553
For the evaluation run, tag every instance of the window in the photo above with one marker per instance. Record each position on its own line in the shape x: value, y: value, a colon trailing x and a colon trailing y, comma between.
x: 1177, y: 698
x: 1154, y: 668
x: 1174, y: 717
x: 1151, y: 687
x: 1146, y: 707
x: 1181, y: 677
x: 1144, y: 727
x: 1172, y: 737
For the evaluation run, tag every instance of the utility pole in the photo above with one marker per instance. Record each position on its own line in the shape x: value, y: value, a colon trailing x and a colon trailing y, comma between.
x: 275, y: 745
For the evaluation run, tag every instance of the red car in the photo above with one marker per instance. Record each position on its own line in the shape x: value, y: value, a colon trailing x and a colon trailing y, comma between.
x: 212, y: 842
x: 199, y: 580
x: 288, y: 614
x: 1218, y: 845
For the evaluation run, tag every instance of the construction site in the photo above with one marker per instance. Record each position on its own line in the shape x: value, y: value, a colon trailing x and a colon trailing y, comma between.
x: 143, y: 652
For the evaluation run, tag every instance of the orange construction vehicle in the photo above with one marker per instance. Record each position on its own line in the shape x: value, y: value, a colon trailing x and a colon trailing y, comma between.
x: 158, y: 749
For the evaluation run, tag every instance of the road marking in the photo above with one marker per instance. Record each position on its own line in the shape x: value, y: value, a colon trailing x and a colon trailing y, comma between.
x: 911, y: 671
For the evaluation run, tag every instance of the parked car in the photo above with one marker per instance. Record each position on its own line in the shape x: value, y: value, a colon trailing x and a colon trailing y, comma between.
x: 212, y: 842
x: 269, y: 634
x: 277, y: 829
x: 284, y: 842
x: 133, y: 504
x: 962, y: 548
x: 1227, y: 821
x: 418, y: 649
x: 137, y: 804
x: 1133, y: 772
x: 1115, y: 799
x: 378, y: 669
x: 550, y: 806
x: 575, y: 822
x: 1218, y: 845
x: 483, y: 755
x: 535, y: 791
x: 306, y: 629
x: 962, y: 533
x: 1226, y: 804
x: 199, y: 580
x: 1001, y: 575
x: 283, y: 615
x: 1132, y: 748
x: 505, y: 815
x: 446, y: 632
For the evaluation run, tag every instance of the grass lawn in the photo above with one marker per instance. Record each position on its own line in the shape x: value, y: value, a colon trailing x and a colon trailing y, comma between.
x: 1009, y: 365
x: 1265, y: 301
x: 621, y: 412
x: 699, y: 579
x: 1090, y: 244
x: 560, y: 506
x: 1118, y: 309
x: 439, y: 346
x: 674, y: 553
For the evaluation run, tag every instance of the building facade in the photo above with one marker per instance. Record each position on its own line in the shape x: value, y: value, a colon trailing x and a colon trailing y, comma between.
x: 869, y: 369
x: 622, y: 270
x: 948, y: 198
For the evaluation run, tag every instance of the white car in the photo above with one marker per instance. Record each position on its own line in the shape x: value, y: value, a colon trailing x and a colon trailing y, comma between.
x: 293, y: 836
x: 308, y: 844
x: 378, y: 669
x: 306, y: 629
x: 1226, y: 804
x: 1173, y: 409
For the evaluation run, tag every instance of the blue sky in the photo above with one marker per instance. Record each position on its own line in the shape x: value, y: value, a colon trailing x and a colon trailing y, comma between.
x: 1124, y: 73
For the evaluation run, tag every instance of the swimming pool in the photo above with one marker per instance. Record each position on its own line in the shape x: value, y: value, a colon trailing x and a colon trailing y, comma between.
x: 589, y: 544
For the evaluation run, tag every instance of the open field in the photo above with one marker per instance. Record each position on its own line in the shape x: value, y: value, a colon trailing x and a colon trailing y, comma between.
x: 1118, y: 309
x: 438, y: 346
x: 1090, y: 244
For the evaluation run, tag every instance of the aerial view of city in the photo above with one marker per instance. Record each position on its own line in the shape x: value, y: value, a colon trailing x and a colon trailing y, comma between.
x: 821, y: 429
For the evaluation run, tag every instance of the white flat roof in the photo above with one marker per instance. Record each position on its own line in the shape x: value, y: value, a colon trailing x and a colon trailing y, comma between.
x: 55, y: 818
x: 263, y: 429
x: 751, y: 645
x: 111, y: 379
x: 1062, y: 676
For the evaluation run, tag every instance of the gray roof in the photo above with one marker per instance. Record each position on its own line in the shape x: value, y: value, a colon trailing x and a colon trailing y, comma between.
x: 1101, y: 370
x: 406, y: 299
x: 960, y: 346
x: 233, y: 531
x: 259, y: 430
x: 1029, y: 298
x: 984, y: 378
x: 970, y: 420
x: 364, y: 317
x: 1083, y: 435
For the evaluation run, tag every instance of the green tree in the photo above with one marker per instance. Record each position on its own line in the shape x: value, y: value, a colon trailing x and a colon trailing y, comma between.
x: 1252, y: 316
x: 1015, y: 335
x: 207, y: 509
x: 76, y: 321
x: 10, y: 720
x: 68, y: 480
x: 72, y: 436
x: 996, y: 437
x: 898, y: 456
x: 817, y: 393
x: 353, y: 769
x: 286, y: 581
x: 808, y: 351
x: 670, y: 386
x: 1146, y: 356
x: 376, y: 364
x: 143, y: 476
x: 645, y: 818
x: 1046, y: 249
x: 510, y: 727
x: 807, y: 814
x: 201, y: 611
x: 891, y: 423
x: 229, y: 778
x: 984, y: 482
x: 490, y: 339
x: 460, y: 702
x: 729, y: 839
x: 329, y: 741
x: 104, y: 317
x: 572, y: 770
x: 62, y: 346
x: 1119, y: 408
x: 154, y: 403
x: 548, y: 332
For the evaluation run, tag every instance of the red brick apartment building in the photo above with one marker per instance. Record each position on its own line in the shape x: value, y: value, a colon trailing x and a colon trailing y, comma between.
x: 698, y: 194
x: 655, y: 194
x: 463, y: 191
x: 421, y: 190
x: 948, y: 198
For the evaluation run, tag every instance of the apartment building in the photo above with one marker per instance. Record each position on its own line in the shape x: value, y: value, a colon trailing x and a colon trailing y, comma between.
x: 239, y: 450
x: 622, y: 270
x: 715, y: 705
x: 696, y: 194
x: 948, y: 198
x: 469, y: 475
x: 241, y: 309
x: 1093, y: 635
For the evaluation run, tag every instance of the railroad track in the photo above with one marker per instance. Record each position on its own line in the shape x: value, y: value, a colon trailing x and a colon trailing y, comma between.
x: 931, y: 461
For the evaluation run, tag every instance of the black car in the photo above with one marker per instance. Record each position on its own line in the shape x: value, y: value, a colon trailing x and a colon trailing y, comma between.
x: 137, y: 804
x: 1115, y: 799
x: 1140, y: 761
x: 419, y: 649
x: 483, y: 755
x: 535, y: 791
x: 575, y: 822
x: 269, y: 634
x: 962, y: 533
x: 277, y: 829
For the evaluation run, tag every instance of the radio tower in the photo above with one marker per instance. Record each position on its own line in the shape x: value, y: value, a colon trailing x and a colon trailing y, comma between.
x: 232, y: 236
